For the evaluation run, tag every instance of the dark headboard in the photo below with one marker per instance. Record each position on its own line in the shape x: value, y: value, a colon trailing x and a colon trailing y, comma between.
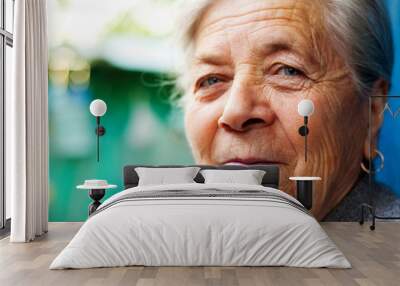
x: 271, y: 177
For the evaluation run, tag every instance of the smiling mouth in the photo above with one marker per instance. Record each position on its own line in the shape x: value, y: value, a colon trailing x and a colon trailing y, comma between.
x: 251, y: 161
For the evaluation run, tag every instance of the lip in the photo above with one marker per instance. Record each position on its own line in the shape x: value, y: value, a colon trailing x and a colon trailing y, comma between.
x: 250, y: 161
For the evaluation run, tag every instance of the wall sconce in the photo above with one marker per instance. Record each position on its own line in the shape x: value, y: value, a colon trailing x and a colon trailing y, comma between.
x: 98, y: 108
x: 305, y: 108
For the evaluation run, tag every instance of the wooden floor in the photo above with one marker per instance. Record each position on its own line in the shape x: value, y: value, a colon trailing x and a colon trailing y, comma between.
x: 375, y: 256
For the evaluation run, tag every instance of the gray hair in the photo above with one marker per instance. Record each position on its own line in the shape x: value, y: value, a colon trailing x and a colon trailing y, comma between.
x: 359, y: 29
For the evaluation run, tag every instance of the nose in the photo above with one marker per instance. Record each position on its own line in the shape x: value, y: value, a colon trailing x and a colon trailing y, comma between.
x: 246, y: 108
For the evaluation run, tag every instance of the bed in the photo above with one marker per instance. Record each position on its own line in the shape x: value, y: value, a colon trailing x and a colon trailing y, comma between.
x: 201, y: 224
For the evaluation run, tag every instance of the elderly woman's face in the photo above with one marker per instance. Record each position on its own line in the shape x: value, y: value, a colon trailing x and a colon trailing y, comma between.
x: 254, y: 60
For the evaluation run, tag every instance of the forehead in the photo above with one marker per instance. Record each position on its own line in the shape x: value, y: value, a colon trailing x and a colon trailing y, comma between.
x: 259, y: 21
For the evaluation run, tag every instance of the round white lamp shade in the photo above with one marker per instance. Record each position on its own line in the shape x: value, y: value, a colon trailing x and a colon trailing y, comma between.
x: 305, y: 107
x: 98, y: 107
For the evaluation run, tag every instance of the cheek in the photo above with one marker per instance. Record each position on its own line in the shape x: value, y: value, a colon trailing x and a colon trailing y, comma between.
x: 285, y: 108
x: 201, y: 124
x: 333, y: 119
x: 338, y: 118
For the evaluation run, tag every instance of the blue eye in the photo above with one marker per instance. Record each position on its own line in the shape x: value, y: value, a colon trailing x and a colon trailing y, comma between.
x: 209, y: 81
x: 290, y: 71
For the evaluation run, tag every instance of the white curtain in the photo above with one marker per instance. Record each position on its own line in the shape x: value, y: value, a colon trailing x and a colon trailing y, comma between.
x: 27, y: 124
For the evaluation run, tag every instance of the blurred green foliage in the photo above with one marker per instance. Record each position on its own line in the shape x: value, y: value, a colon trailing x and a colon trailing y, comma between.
x: 142, y: 127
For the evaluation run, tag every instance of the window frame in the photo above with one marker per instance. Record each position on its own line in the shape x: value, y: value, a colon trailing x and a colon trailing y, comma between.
x: 6, y: 39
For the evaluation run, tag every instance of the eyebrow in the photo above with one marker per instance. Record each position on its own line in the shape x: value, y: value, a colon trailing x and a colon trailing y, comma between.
x: 218, y: 59
x: 211, y: 59
x: 277, y: 47
x: 283, y: 45
x: 264, y: 50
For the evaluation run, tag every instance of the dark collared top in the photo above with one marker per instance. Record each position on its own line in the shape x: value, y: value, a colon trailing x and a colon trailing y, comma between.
x: 387, y: 203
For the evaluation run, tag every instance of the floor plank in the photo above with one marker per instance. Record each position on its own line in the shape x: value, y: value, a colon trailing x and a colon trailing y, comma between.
x: 375, y: 257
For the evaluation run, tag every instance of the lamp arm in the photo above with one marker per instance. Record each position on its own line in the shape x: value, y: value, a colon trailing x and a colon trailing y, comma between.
x: 98, y: 148
x: 100, y: 131
x: 98, y: 137
x: 305, y: 137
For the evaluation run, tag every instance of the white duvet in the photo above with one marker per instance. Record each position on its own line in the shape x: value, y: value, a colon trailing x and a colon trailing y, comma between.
x: 200, y: 231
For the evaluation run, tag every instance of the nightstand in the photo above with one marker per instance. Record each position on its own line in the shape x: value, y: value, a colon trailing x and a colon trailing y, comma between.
x: 97, y: 190
x: 305, y: 190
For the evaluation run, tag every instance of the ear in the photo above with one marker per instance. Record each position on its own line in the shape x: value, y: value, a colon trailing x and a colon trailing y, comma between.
x: 381, y: 88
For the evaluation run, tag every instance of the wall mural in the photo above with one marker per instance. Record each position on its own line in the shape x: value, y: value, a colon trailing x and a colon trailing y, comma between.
x: 125, y: 58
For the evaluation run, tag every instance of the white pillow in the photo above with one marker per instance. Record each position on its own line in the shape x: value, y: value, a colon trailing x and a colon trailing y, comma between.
x: 248, y: 177
x: 162, y: 176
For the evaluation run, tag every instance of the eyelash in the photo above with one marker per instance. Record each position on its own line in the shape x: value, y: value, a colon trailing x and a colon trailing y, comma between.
x: 201, y: 81
x: 297, y: 71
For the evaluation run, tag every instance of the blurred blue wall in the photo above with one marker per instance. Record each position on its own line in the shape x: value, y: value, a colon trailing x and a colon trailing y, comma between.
x: 389, y: 141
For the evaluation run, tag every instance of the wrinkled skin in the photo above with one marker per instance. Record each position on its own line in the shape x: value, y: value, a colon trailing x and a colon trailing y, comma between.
x: 254, y: 60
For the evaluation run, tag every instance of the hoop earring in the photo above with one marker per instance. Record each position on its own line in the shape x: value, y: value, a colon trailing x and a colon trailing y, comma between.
x: 380, y: 155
